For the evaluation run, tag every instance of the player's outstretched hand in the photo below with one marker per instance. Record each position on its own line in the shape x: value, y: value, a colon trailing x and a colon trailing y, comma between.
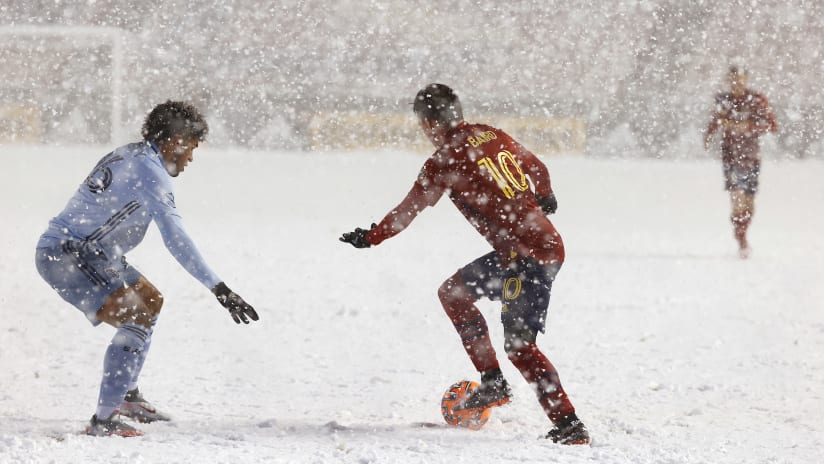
x: 239, y: 309
x: 548, y: 203
x: 358, y: 237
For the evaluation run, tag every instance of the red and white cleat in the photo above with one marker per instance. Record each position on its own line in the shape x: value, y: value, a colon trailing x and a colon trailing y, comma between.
x: 111, y: 426
x: 136, y: 407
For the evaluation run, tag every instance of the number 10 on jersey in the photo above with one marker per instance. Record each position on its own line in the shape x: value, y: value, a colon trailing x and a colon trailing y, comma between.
x: 506, y: 179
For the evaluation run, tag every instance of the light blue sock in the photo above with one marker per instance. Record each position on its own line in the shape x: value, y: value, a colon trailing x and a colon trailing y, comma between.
x: 119, y: 365
x: 142, y: 358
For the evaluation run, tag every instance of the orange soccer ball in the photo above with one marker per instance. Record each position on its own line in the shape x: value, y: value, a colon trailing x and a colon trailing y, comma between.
x: 472, y: 420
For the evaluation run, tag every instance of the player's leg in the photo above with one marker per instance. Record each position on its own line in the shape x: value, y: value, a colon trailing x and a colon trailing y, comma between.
x: 133, y: 310
x: 104, y: 289
x: 143, y: 302
x: 526, y: 299
x: 731, y: 185
x: 744, y: 185
x: 526, y: 296
x: 741, y: 217
x: 139, y: 368
x: 458, y: 294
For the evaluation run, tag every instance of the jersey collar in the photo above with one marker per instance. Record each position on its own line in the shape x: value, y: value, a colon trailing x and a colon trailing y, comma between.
x: 153, y: 146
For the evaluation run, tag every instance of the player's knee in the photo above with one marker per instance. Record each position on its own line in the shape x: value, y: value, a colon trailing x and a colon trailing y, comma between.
x: 512, y: 345
x: 452, y: 290
x: 151, y: 297
x: 741, y: 217
x: 518, y: 340
x: 147, y: 313
x: 154, y: 303
x: 139, y: 304
x: 516, y: 350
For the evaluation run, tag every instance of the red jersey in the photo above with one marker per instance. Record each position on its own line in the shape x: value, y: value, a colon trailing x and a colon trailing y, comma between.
x: 740, y: 148
x: 487, y: 176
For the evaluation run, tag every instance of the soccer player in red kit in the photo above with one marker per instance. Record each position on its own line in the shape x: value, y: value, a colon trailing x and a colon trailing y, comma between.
x: 486, y: 175
x: 742, y: 115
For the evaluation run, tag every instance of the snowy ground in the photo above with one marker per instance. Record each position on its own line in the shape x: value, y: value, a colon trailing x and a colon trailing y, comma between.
x: 673, y: 350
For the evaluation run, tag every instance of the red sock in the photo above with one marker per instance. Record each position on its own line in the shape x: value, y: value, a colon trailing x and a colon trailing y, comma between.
x: 539, y: 371
x: 469, y: 323
x: 740, y: 225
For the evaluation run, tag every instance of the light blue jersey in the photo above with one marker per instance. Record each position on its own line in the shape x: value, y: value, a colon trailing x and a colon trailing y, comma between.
x: 112, y: 209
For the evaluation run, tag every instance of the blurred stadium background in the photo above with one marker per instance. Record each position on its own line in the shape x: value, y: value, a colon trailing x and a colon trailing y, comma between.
x: 598, y: 78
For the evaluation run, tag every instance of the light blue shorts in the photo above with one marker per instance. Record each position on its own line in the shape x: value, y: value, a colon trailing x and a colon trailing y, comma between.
x: 745, y: 179
x: 83, y: 275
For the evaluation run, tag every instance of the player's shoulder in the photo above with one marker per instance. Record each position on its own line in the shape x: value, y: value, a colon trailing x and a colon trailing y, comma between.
x: 477, y: 136
x: 132, y: 153
x: 723, y: 97
x: 757, y: 97
x: 145, y: 156
x: 480, y: 128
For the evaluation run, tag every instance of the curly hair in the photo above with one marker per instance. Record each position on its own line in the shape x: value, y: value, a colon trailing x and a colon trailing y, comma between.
x: 734, y: 70
x: 438, y: 102
x: 174, y: 119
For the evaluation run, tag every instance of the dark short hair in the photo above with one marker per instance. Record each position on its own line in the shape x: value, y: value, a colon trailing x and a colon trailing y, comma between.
x: 736, y: 71
x: 174, y: 119
x: 438, y: 102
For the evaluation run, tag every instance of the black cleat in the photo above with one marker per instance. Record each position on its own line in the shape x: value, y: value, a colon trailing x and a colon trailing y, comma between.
x: 493, y: 391
x: 571, y: 433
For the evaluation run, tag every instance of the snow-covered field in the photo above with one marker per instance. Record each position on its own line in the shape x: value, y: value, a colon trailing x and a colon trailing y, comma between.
x: 673, y: 350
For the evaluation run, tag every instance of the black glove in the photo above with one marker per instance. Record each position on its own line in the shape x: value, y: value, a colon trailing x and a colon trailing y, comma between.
x: 358, y: 237
x: 238, y: 308
x: 548, y: 203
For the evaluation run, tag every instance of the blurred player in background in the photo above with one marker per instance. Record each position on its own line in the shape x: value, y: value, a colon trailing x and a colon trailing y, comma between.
x: 486, y: 175
x: 742, y: 115
x: 82, y: 255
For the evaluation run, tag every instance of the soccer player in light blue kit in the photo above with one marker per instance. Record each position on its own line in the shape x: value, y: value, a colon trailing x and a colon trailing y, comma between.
x: 82, y: 255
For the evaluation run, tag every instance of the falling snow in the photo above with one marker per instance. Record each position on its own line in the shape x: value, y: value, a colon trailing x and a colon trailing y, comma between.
x: 672, y: 348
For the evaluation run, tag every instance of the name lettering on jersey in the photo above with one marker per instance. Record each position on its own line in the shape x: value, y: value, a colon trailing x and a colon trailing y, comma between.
x: 481, y: 138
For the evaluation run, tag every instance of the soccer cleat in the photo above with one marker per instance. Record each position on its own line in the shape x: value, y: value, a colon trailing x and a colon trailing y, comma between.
x: 743, y: 246
x: 493, y: 391
x: 111, y: 426
x: 136, y: 407
x: 572, y: 433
